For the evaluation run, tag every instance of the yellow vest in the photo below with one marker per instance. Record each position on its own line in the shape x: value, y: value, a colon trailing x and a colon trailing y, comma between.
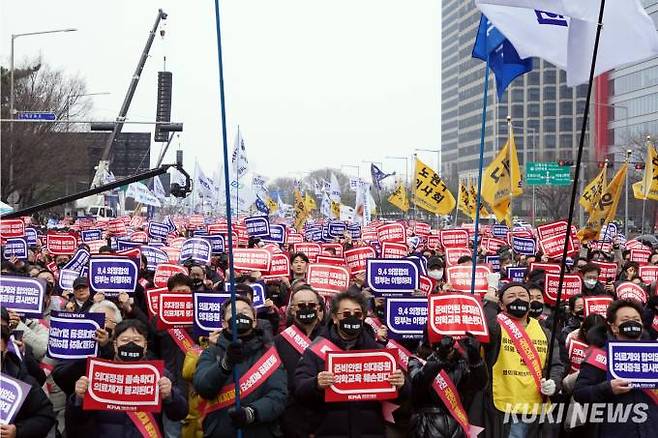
x: 514, y: 389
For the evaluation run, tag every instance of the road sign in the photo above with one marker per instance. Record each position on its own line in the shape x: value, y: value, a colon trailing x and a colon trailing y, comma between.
x: 36, y: 115
x: 547, y: 174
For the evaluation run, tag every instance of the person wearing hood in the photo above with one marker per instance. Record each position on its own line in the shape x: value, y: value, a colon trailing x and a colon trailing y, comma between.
x: 259, y: 411
x: 591, y: 285
x: 624, y: 323
x: 346, y: 331
x: 129, y: 344
x: 306, y: 316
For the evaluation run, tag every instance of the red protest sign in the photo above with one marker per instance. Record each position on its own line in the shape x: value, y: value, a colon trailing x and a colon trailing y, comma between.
x: 165, y: 270
x: 177, y: 242
x: 631, y: 291
x: 356, y: 258
x: 133, y: 253
x: 369, y: 235
x: 173, y: 254
x: 214, y: 229
x: 492, y: 244
x: 361, y: 375
x: 175, y: 310
x: 577, y: 351
x: 648, y: 273
x: 572, y: 285
x: 311, y: 249
x: 426, y: 284
x: 62, y: 243
x: 117, y: 227
x: 596, y: 305
x: 139, y: 236
x: 393, y: 250
x: 553, y: 246
x: 454, y: 315
x: 459, y: 278
x: 295, y: 238
x: 326, y: 248
x: 640, y: 255
x: 634, y: 244
x: 453, y: 254
x: 12, y: 228
x: 195, y: 221
x: 280, y: 267
x: 252, y: 259
x: 608, y: 271
x: 454, y: 238
x: 433, y: 242
x: 153, y: 299
x: 552, y: 268
x: 422, y: 229
x: 392, y: 233
x: 327, y: 279
x: 552, y: 229
x: 333, y: 261
x: 123, y: 386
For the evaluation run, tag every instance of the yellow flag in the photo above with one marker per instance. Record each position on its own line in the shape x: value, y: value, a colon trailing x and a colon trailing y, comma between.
x: 399, y: 197
x: 309, y: 203
x: 272, y: 206
x: 300, y: 211
x: 335, y: 209
x: 431, y: 192
x: 605, y: 209
x: 502, y: 180
x: 648, y: 187
x: 464, y: 200
x: 593, y: 191
x: 473, y: 202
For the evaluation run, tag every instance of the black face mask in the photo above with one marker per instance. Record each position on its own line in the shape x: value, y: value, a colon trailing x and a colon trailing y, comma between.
x: 306, y: 315
x: 351, y: 326
x: 381, y: 313
x: 630, y: 329
x: 580, y: 315
x: 243, y: 324
x: 536, y: 308
x: 130, y: 352
x: 197, y: 283
x: 518, y: 308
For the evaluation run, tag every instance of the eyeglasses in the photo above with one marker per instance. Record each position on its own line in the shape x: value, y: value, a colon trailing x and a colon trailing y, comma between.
x: 307, y: 305
x: 347, y: 313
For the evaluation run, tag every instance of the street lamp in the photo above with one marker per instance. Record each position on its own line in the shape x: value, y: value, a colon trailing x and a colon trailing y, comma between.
x: 12, y: 97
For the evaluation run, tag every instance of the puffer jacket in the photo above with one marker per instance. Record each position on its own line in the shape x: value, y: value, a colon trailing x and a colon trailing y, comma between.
x: 268, y: 400
x: 431, y: 419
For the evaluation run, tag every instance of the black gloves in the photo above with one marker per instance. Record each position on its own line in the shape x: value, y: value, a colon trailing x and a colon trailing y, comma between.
x: 234, y: 355
x: 471, y: 347
x: 242, y: 416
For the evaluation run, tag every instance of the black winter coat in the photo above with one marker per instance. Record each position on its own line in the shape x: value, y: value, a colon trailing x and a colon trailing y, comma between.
x: 268, y: 400
x: 35, y: 417
x: 348, y: 419
x: 431, y: 419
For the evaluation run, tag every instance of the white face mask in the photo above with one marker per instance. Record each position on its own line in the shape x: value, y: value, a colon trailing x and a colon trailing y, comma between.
x: 436, y: 274
x: 590, y: 283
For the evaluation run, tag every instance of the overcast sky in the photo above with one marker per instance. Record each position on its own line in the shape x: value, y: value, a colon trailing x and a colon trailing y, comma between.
x: 311, y: 83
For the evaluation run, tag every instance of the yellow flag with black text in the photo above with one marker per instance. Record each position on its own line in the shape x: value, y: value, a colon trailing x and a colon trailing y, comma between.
x: 474, y: 202
x: 272, y: 205
x: 399, y: 197
x: 300, y: 211
x: 431, y: 193
x: 594, y: 190
x: 648, y: 187
x: 464, y: 199
x: 605, y: 210
x: 309, y: 203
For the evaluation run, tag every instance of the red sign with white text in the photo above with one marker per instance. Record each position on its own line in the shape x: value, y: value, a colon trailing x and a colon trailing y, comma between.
x: 426, y: 284
x: 355, y: 258
x: 165, y: 270
x: 572, y: 285
x: 123, y: 386
x: 116, y: 227
x: 214, y: 229
x: 453, y: 254
x: 459, y: 278
x: 455, y: 238
x: 328, y: 279
x: 640, y: 255
x: 631, y: 291
x: 139, y: 236
x: 361, y: 375
x: 12, y: 228
x: 433, y: 242
x: 280, y: 267
x: 175, y: 310
x: 337, y: 247
x: 62, y: 243
x: 251, y: 259
x: 394, y: 250
x: 392, y: 233
x: 492, y: 244
x: 596, y: 305
x: 153, y: 299
x: 608, y: 271
x: 648, y: 273
x: 553, y: 246
x: 454, y: 315
x: 311, y: 249
x: 577, y: 352
x: 333, y: 261
x: 295, y: 238
x: 552, y: 268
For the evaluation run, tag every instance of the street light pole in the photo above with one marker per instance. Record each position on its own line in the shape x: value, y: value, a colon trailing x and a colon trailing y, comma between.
x: 628, y: 157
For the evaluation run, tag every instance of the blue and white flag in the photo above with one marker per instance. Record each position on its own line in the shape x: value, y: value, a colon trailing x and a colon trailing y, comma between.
x: 378, y: 175
x: 239, y: 162
x: 261, y: 206
x: 503, y: 59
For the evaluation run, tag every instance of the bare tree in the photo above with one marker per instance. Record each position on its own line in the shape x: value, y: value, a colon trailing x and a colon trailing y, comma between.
x: 555, y: 200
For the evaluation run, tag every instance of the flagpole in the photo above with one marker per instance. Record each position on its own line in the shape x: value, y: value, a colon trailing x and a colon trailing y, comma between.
x: 509, y: 157
x: 574, y: 186
x: 481, y: 163
x: 234, y: 332
x: 459, y: 194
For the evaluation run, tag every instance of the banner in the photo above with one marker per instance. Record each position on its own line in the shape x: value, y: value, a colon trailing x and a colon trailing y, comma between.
x: 361, y: 375
x: 430, y: 192
x: 166, y: 270
x: 12, y: 228
x: 552, y: 268
x: 328, y: 279
x: 406, y: 317
x: 217, y: 243
x: 491, y: 244
x: 312, y: 250
x: 22, y: 294
x: 66, y: 278
x: 157, y: 230
x: 279, y: 268
x: 596, y: 305
x: 175, y: 310
x: 455, y: 315
x: 139, y: 236
x: 277, y: 234
x: 608, y: 271
x: 123, y: 386
x: 454, y: 254
x: 252, y: 259
x: 116, y: 227
x: 207, y: 311
x: 648, y: 274
x: 459, y: 278
x: 153, y: 300
x: 640, y: 255
x: 392, y: 233
x: 73, y: 335
x: 388, y: 277
x: 257, y: 226
x: 455, y: 238
x: 61, y: 243
x: 337, y: 248
x: 499, y: 230
x: 337, y: 229
x: 572, y: 285
x: 196, y: 249
x: 15, y: 247
x: 356, y: 258
x: 577, y: 351
x: 636, y: 362
x: 113, y: 275
x: 516, y: 273
x: 31, y: 237
x: 154, y: 257
x: 13, y: 394
x: 392, y: 250
x: 631, y: 291
x: 524, y: 246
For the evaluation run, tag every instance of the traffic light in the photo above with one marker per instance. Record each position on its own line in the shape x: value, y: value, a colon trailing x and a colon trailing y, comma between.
x: 565, y: 163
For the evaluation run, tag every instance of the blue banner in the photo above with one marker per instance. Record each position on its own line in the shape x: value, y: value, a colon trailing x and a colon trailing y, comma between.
x: 199, y: 233
x: 216, y: 243
x: 516, y: 273
x: 494, y: 261
x: 406, y: 317
x: 207, y: 315
x: 277, y: 234
x: 79, y: 260
x: 524, y: 245
x: 196, y: 249
x: 420, y: 262
x: 499, y: 230
x: 355, y: 231
x: 67, y: 277
x: 635, y: 362
x: 259, y: 293
x: 337, y: 228
x: 390, y: 277
x: 158, y: 230
x: 113, y: 275
x: 257, y: 226
x: 13, y: 394
x: 125, y: 243
x: 31, y: 236
x: 89, y: 235
x: 73, y: 335
x: 15, y: 247
x: 154, y: 257
x: 22, y: 294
